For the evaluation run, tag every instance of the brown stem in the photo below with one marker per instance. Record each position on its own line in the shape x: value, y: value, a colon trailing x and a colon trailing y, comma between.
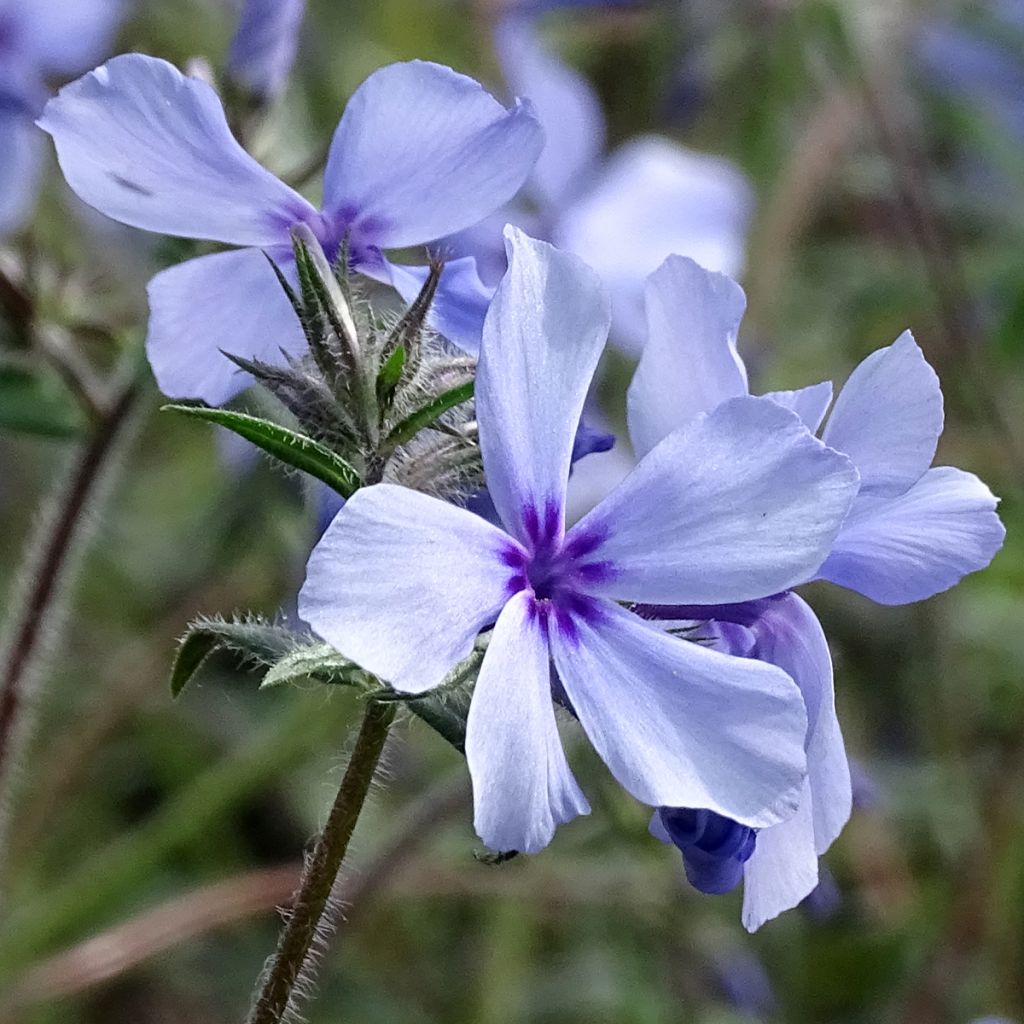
x: 59, y: 534
x: 292, y: 958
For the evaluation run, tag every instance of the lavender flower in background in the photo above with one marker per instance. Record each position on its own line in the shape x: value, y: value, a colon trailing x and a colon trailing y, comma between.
x: 980, y: 63
x: 727, y: 508
x: 912, y: 532
x: 420, y: 152
x: 264, y: 46
x: 624, y: 213
x: 39, y: 40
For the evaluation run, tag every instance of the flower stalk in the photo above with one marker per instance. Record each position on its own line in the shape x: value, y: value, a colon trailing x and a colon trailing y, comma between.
x: 294, y: 955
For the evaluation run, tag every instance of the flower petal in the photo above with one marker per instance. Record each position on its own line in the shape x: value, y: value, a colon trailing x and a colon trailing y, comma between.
x: 903, y: 549
x: 66, y: 36
x: 888, y: 418
x: 20, y: 167
x: 149, y: 147
x: 543, y: 336
x: 783, y: 868
x: 689, y: 363
x: 263, y: 48
x: 740, y: 503
x: 789, y: 636
x: 422, y: 152
x: 810, y: 403
x: 227, y: 302
x: 401, y: 583
x: 651, y: 199
x: 681, y: 725
x: 460, y: 303
x: 565, y: 104
x: 522, y: 785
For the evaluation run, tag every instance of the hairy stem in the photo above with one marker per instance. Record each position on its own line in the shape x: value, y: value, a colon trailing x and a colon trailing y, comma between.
x: 37, y: 601
x: 291, y: 959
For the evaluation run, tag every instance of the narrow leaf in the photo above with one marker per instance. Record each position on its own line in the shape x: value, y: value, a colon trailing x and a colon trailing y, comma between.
x: 427, y: 414
x: 389, y: 376
x: 286, y: 445
x: 317, y: 661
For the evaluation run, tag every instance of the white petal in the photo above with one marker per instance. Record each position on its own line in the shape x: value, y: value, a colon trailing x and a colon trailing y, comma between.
x: 401, y: 583
x: 888, y: 417
x: 740, y: 503
x: 681, y: 725
x: 522, y: 785
x: 689, y: 363
x: 542, y: 339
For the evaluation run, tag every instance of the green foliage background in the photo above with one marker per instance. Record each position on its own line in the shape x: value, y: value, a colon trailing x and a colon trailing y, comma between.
x: 883, y: 204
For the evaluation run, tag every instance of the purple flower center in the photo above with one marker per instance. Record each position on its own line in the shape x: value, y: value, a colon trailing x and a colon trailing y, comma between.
x: 556, y: 568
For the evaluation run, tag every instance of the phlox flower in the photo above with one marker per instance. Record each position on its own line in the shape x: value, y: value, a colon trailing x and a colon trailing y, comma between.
x: 730, y: 508
x: 912, y: 532
x: 263, y: 48
x: 622, y: 213
x: 420, y: 151
x: 40, y: 40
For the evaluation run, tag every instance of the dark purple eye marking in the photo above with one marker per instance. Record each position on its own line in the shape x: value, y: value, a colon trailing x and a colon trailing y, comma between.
x: 597, y: 572
x: 583, y: 542
x: 514, y: 556
x: 544, y: 529
x: 531, y: 522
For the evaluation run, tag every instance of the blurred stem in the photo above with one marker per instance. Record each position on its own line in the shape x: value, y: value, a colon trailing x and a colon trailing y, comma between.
x: 886, y: 105
x: 292, y: 958
x: 19, y: 308
x: 53, y: 553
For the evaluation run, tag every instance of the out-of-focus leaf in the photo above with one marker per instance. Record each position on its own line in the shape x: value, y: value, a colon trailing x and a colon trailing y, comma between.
x: 288, y: 446
x: 33, y: 403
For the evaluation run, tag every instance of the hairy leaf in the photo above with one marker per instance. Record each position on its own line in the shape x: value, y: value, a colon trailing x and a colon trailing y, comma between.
x: 286, y: 445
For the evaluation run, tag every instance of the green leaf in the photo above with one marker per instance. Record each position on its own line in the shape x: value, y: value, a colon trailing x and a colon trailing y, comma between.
x: 317, y: 661
x: 252, y: 640
x: 390, y: 374
x: 35, y: 403
x: 423, y: 417
x: 286, y: 445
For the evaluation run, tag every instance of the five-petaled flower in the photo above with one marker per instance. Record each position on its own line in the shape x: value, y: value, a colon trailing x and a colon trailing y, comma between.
x: 420, y: 152
x: 737, y: 505
x: 912, y: 532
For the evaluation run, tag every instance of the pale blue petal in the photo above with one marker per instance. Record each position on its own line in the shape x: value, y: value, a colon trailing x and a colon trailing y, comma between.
x: 810, y: 403
x: 264, y: 45
x: 401, y: 583
x: 888, y: 417
x: 21, y: 151
x: 689, y: 363
x: 681, y: 725
x: 651, y: 199
x: 422, y: 152
x: 740, y: 503
x: 227, y: 302
x: 790, y: 636
x: 565, y: 104
x: 66, y: 36
x: 903, y: 549
x: 783, y: 868
x: 149, y: 147
x: 523, y: 787
x: 543, y: 337
x: 460, y: 302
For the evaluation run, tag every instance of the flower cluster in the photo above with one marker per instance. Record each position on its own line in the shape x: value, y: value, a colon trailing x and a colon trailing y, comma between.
x: 664, y: 621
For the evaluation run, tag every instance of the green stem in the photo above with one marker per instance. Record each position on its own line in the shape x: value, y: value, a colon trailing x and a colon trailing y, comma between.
x: 291, y: 959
